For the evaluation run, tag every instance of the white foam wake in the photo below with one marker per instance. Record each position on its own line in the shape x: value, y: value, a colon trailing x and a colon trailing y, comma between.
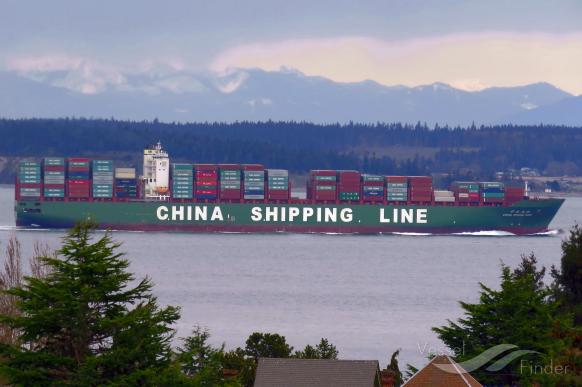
x: 549, y: 232
x: 487, y: 233
x: 412, y: 233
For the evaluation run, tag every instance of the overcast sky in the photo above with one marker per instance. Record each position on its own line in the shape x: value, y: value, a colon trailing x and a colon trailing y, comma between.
x: 469, y: 44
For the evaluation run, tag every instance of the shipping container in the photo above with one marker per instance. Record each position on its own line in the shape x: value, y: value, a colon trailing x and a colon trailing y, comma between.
x: 54, y: 162
x: 253, y: 167
x: 125, y: 173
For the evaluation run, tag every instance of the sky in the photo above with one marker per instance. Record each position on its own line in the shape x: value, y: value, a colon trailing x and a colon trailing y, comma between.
x: 468, y: 44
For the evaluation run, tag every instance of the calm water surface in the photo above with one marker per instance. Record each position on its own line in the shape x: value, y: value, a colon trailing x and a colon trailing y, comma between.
x: 369, y: 295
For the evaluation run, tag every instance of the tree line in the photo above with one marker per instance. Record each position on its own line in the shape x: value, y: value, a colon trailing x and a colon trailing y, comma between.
x: 300, y: 146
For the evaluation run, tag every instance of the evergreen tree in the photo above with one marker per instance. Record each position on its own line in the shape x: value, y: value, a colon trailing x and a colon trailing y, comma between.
x: 520, y: 313
x: 568, y: 280
x: 202, y: 362
x: 85, y: 324
x: 323, y: 350
x: 267, y: 345
x: 394, y: 368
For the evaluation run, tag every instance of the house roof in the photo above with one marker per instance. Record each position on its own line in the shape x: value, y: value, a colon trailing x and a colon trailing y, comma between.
x: 450, y: 374
x: 316, y: 373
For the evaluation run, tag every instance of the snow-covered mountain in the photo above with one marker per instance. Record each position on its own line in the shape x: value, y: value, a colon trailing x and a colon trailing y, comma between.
x: 281, y: 95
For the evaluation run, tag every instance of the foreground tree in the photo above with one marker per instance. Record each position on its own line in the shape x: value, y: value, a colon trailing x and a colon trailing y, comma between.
x: 85, y: 324
x: 323, y: 350
x: 520, y: 313
x: 394, y: 369
x: 204, y: 364
x: 567, y: 293
x: 568, y: 278
x: 267, y: 345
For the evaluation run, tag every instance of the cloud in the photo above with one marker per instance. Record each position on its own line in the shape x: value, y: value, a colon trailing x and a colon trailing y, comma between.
x: 71, y: 72
x: 469, y: 61
x: 230, y: 80
x: 181, y: 84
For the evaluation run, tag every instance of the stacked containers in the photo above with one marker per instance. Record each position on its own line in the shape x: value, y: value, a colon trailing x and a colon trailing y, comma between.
x: 349, y: 185
x: 514, y: 194
x: 79, y: 183
x: 420, y: 188
x: 206, y: 176
x: 230, y: 177
x: 125, y: 183
x: 29, y: 180
x: 322, y: 185
x: 182, y: 181
x: 443, y: 196
x: 54, y: 177
x: 466, y: 192
x: 492, y: 192
x: 102, y: 171
x: 372, y: 188
x: 253, y: 181
x: 396, y: 188
x: 278, y: 184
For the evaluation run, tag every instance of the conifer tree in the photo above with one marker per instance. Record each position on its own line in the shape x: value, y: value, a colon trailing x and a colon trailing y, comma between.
x: 87, y: 322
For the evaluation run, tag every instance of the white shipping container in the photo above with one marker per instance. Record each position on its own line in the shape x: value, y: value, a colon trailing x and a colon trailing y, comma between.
x: 442, y: 193
x: 277, y: 172
x: 444, y: 199
x: 125, y: 173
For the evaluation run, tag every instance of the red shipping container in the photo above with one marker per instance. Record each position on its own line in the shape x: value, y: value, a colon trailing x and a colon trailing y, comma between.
x: 54, y: 186
x: 253, y: 167
x: 420, y: 178
x: 323, y: 172
x: 373, y: 184
x: 229, y: 167
x: 205, y: 183
x: 79, y: 182
x: 230, y: 194
x: 514, y: 191
x: 28, y: 185
x: 59, y: 168
x: 316, y: 183
x: 397, y: 179
x: 349, y: 177
x: 348, y: 187
x: 200, y: 174
x: 421, y: 198
x: 206, y: 192
x: 205, y: 166
x: 78, y: 159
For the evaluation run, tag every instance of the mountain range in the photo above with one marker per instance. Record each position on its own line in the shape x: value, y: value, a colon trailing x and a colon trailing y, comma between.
x: 280, y: 95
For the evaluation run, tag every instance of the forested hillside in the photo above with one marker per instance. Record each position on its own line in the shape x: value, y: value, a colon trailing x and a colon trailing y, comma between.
x: 300, y: 146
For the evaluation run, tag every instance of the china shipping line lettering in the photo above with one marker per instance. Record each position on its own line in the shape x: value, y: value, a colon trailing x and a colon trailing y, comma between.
x: 291, y: 214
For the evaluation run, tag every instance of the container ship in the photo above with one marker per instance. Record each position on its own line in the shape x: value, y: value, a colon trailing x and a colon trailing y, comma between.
x: 60, y: 192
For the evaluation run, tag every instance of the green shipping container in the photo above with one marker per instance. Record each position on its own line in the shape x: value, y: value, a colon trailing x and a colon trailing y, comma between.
x: 325, y: 188
x: 397, y: 190
x: 54, y: 161
x: 493, y: 195
x: 396, y: 185
x: 325, y: 178
x: 349, y: 196
x: 254, y: 179
x: 229, y: 186
x: 375, y: 178
x: 278, y: 178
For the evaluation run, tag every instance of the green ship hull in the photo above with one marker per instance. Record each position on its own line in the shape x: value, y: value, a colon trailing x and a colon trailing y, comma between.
x: 524, y: 217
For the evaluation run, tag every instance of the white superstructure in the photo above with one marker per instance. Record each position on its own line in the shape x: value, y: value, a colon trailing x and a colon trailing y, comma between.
x: 156, y: 171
